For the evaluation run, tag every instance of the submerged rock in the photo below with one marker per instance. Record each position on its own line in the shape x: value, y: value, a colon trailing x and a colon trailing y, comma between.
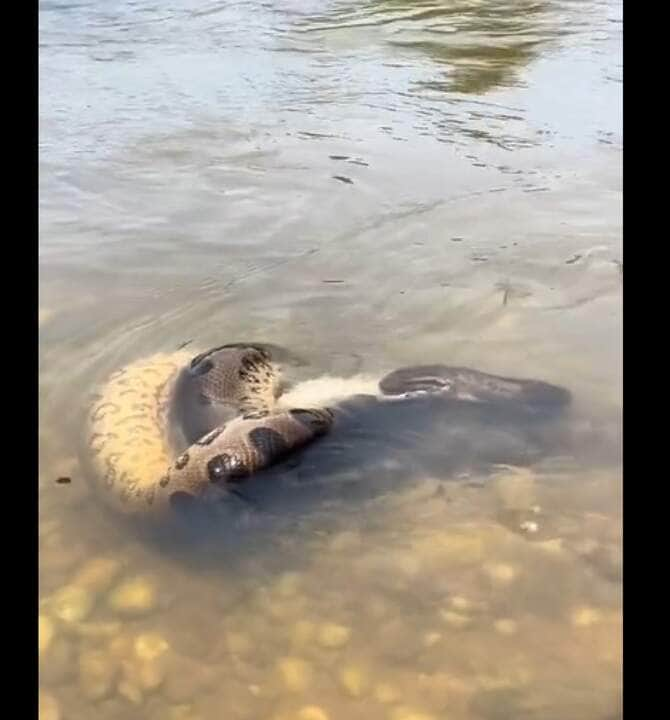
x: 72, y: 603
x: 501, y: 573
x: 295, y: 673
x: 354, y: 681
x: 312, y: 712
x: 461, y: 604
x: 97, y: 574
x: 149, y: 646
x: 466, y: 544
x: 333, y: 636
x: 135, y: 596
x: 584, y: 616
x: 431, y: 639
x: 455, y: 619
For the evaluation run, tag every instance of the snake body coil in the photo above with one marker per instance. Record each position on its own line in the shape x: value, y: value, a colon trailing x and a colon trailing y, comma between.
x: 172, y: 429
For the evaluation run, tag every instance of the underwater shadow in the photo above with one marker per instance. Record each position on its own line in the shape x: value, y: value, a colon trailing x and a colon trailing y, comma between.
x: 376, y: 447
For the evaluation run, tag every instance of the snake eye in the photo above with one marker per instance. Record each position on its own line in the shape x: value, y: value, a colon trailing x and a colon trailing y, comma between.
x: 224, y: 467
x: 217, y: 467
x: 201, y: 366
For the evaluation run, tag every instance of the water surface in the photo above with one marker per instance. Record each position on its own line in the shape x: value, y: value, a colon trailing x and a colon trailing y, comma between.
x: 372, y: 184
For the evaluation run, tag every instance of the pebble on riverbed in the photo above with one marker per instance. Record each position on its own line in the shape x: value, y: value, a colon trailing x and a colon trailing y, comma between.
x: 353, y: 680
x: 455, y: 619
x: 295, y: 673
x: 312, y: 712
x: 149, y: 646
x: 431, y: 638
x: 144, y: 669
x: 501, y: 573
x: 585, y: 616
x: 135, y: 596
x: 466, y: 544
x: 97, y: 574
x: 461, y: 604
x: 333, y: 636
x: 72, y: 603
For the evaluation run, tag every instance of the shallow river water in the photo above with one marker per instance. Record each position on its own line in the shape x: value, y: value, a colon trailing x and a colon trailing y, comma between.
x: 370, y: 185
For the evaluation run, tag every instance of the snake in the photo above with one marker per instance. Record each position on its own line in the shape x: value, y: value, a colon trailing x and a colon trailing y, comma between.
x: 177, y: 428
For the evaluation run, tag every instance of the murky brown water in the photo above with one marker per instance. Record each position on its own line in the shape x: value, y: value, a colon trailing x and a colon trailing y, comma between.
x: 372, y: 184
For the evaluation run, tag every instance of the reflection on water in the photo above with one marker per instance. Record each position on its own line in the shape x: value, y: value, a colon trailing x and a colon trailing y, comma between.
x: 372, y: 185
x: 480, y: 44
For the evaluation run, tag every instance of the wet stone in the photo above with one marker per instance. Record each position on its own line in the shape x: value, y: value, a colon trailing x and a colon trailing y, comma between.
x: 333, y: 636
x: 354, y: 681
x: 72, y: 603
x: 312, y: 712
x: 133, y: 597
x: 295, y: 673
x: 97, y: 574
